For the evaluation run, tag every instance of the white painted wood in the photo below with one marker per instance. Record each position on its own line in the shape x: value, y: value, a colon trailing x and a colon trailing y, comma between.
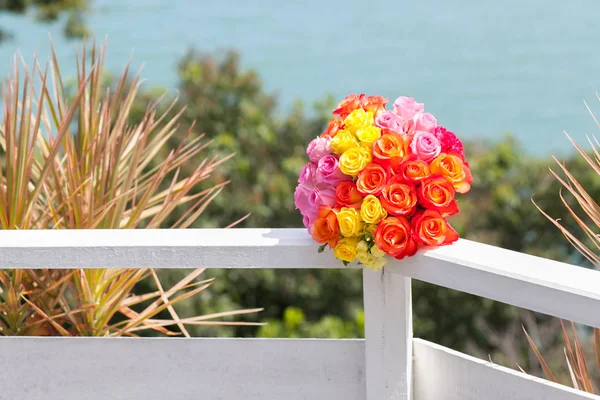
x: 180, y: 369
x: 388, y: 335
x: 535, y: 283
x: 441, y: 373
x: 163, y: 248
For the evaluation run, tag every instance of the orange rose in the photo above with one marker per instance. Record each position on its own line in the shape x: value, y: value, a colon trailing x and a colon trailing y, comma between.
x: 431, y: 229
x: 453, y: 168
x: 325, y: 229
x: 413, y: 170
x: 349, y: 104
x: 393, y: 236
x: 437, y: 193
x: 375, y: 104
x: 390, y: 150
x: 347, y: 195
x: 398, y: 198
x: 371, y: 180
x: 332, y: 128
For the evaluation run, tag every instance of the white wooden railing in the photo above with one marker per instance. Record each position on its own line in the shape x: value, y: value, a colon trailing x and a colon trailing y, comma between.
x: 388, y: 364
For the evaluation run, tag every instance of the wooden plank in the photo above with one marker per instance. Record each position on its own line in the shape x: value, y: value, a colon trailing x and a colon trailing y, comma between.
x: 163, y: 248
x: 388, y: 335
x: 181, y: 369
x: 534, y: 283
x: 441, y: 373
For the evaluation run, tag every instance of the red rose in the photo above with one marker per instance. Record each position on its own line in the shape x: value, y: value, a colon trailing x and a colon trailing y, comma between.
x: 413, y: 171
x: 450, y: 143
x: 431, y: 229
x: 437, y: 193
x: 348, y: 195
x: 393, y: 236
x: 399, y: 198
x: 371, y: 180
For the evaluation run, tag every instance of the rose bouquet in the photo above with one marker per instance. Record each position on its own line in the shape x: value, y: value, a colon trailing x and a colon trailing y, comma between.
x: 381, y: 182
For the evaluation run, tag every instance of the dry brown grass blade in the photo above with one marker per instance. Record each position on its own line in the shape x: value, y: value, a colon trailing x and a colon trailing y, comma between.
x: 47, y: 318
x: 214, y: 315
x: 574, y: 379
x: 154, y: 309
x: 238, y: 221
x: 540, y: 358
x: 170, y: 308
x: 582, y: 248
x: 587, y: 230
x: 587, y: 203
x: 584, y: 374
x: 137, y: 299
x: 567, y: 340
x: 131, y: 314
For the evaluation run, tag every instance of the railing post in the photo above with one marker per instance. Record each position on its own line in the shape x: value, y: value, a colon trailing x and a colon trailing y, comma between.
x: 388, y: 335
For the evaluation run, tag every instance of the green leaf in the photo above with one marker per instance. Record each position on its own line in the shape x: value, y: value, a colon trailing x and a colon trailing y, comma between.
x: 321, y: 248
x: 346, y: 263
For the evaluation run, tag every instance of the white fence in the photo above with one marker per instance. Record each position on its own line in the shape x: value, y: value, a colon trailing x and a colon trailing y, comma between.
x: 388, y: 364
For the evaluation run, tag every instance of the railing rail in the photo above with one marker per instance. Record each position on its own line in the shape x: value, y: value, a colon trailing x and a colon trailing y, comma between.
x: 538, y: 284
x: 555, y: 288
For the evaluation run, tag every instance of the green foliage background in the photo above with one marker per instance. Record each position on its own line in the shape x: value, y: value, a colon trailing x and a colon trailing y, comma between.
x: 49, y: 11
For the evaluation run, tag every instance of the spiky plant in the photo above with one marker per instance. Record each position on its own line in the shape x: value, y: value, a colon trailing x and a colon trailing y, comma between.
x: 74, y: 161
x: 587, y: 217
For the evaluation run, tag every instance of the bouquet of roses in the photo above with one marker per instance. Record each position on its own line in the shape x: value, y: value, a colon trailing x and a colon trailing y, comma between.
x: 381, y: 182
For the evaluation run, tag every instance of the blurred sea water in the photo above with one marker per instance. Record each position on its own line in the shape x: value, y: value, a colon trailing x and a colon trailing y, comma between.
x: 483, y: 68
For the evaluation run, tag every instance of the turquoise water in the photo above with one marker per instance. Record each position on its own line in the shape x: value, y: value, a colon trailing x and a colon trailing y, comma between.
x: 483, y: 68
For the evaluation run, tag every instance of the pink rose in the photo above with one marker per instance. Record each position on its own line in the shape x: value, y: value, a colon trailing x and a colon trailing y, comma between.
x: 425, y: 146
x: 328, y: 171
x: 424, y: 122
x: 301, y: 195
x: 319, y: 197
x: 307, y: 221
x: 407, y: 107
x: 389, y: 120
x: 318, y: 148
x: 308, y: 174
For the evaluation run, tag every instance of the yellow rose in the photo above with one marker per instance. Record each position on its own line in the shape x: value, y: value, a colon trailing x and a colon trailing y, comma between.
x: 349, y: 220
x: 367, y: 259
x: 362, y: 252
x: 377, y: 252
x: 355, y: 160
x: 345, y: 249
x: 358, y: 119
x: 371, y: 210
x: 362, y: 247
x: 369, y: 228
x: 368, y: 135
x: 343, y: 141
x: 374, y: 263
